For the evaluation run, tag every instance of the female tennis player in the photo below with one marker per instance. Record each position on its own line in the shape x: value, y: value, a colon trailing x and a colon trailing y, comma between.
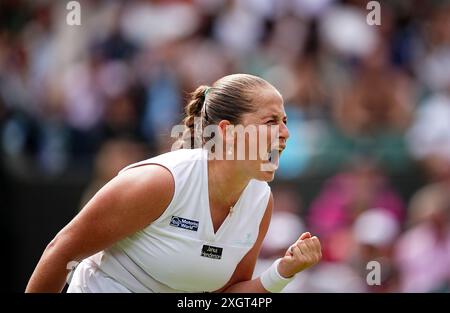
x: 185, y: 221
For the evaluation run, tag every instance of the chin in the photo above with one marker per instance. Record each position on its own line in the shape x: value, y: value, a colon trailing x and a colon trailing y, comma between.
x: 265, y: 176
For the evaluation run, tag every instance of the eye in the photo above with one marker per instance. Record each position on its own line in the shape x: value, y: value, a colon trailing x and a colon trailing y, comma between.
x: 271, y: 121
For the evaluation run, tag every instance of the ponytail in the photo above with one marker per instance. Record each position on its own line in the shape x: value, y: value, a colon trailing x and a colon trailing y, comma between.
x: 194, y: 110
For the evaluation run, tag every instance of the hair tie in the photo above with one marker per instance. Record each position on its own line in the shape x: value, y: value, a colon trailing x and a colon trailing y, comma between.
x: 204, y: 101
x: 207, y: 90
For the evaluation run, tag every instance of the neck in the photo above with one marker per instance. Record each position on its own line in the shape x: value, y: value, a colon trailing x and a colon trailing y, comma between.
x: 226, y: 182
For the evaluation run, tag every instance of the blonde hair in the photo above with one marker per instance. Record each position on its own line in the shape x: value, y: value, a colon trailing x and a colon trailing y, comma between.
x: 227, y: 99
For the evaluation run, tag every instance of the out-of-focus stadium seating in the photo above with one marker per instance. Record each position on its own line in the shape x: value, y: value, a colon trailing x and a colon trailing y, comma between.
x: 368, y: 108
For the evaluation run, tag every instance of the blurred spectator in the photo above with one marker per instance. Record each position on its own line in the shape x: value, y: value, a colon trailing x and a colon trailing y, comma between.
x: 334, y: 277
x: 433, y: 68
x: 113, y: 156
x: 371, y: 116
x: 429, y: 137
x: 423, y: 251
x: 374, y: 104
x: 343, y: 198
x: 155, y: 22
x: 345, y: 31
x: 374, y: 242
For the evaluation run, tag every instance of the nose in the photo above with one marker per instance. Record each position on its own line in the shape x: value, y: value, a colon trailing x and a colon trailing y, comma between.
x: 284, y: 132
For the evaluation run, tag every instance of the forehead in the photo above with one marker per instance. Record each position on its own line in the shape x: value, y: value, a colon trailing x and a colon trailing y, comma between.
x: 268, y: 102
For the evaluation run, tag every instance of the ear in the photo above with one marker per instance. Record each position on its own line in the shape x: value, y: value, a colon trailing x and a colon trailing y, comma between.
x: 226, y: 130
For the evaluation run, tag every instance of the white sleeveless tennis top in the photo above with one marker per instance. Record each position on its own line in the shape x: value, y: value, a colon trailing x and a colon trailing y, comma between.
x: 179, y: 251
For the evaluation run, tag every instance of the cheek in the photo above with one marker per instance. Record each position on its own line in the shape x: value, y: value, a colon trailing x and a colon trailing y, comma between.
x: 268, y: 138
x: 251, y: 142
x: 257, y: 143
x: 264, y: 139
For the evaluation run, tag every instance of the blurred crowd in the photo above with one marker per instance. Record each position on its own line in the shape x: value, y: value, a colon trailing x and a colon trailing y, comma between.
x: 365, y: 104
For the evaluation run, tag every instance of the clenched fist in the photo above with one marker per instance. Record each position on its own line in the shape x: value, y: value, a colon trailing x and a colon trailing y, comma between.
x: 304, y: 253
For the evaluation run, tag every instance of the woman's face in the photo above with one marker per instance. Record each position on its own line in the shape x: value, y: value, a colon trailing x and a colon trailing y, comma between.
x: 265, y: 137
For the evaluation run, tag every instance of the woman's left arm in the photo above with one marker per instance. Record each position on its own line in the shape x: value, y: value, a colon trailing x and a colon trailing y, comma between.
x: 305, y: 252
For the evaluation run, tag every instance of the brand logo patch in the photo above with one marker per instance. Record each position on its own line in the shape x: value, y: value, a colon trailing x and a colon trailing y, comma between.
x: 184, y: 223
x: 212, y: 252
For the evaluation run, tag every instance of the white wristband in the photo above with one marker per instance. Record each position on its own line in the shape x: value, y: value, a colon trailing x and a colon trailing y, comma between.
x: 272, y: 280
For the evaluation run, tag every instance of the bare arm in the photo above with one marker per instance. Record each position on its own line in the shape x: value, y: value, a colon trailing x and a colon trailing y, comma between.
x: 122, y: 207
x: 305, y: 252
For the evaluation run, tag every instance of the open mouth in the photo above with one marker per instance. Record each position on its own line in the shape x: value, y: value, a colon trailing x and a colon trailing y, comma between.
x: 274, y: 158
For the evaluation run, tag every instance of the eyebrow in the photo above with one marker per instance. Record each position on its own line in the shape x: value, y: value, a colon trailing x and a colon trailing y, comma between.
x: 275, y: 116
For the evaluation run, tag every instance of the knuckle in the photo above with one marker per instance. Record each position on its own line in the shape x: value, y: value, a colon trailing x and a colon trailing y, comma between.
x: 317, y: 241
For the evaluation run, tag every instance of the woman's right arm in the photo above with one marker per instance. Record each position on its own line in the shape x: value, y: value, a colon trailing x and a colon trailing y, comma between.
x: 128, y: 203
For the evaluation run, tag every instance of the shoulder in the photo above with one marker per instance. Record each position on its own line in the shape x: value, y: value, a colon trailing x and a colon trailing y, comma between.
x: 259, y: 190
x: 257, y: 201
x: 142, y: 183
x: 125, y: 205
x: 176, y: 168
x: 165, y: 175
x: 172, y: 159
x: 147, y: 174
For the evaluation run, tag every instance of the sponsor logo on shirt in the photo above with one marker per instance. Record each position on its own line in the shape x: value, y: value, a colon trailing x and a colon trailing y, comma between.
x: 184, y: 223
x: 212, y: 252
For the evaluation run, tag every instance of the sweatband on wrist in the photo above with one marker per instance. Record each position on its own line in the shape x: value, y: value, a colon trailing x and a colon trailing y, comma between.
x: 272, y: 280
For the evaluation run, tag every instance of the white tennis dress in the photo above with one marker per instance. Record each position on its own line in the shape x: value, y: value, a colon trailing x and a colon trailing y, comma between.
x: 179, y: 252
